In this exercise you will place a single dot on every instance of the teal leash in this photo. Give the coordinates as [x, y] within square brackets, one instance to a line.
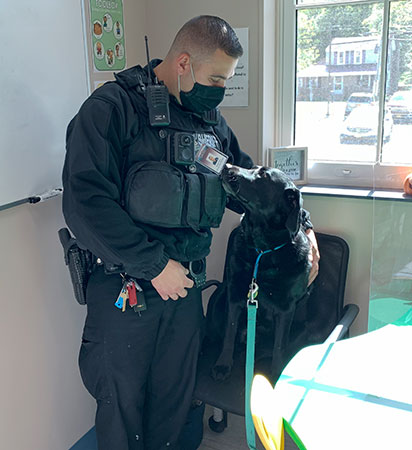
[250, 364]
[252, 306]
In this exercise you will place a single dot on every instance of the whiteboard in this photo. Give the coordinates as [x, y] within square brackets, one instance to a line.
[43, 82]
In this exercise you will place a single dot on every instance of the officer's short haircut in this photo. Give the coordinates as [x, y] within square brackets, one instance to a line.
[203, 35]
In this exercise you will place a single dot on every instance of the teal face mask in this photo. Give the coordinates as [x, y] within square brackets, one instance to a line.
[201, 98]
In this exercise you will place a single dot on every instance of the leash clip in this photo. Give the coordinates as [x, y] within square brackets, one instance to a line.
[253, 293]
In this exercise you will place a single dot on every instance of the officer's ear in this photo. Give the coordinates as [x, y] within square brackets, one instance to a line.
[183, 63]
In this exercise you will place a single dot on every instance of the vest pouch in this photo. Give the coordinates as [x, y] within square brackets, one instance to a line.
[213, 200]
[192, 206]
[155, 194]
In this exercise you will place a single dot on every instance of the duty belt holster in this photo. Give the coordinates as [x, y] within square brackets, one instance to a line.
[80, 263]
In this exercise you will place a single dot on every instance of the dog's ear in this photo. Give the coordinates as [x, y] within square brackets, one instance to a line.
[293, 200]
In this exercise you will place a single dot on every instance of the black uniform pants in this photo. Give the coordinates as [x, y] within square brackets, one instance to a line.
[140, 369]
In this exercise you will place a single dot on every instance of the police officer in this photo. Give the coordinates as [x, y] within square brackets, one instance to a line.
[140, 366]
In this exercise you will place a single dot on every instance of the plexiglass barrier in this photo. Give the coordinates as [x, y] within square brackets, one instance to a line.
[391, 266]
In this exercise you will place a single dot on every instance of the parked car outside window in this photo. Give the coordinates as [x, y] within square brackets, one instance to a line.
[358, 98]
[400, 105]
[361, 126]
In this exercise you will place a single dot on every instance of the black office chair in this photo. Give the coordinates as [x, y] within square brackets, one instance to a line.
[322, 314]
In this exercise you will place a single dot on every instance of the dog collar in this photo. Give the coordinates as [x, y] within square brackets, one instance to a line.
[261, 253]
[254, 288]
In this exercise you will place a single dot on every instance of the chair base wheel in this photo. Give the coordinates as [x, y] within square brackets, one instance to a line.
[218, 427]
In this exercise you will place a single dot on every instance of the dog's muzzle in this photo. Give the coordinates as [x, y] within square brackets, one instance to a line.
[231, 180]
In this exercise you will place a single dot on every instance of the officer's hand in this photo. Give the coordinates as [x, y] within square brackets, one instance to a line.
[172, 281]
[314, 256]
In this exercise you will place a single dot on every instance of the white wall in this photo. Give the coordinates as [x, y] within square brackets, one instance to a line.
[44, 404]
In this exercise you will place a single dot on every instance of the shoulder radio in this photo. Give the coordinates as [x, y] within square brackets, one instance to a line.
[157, 98]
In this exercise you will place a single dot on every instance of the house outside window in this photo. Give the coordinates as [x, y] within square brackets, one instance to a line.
[344, 67]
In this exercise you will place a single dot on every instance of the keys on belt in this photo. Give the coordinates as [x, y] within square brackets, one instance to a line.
[131, 292]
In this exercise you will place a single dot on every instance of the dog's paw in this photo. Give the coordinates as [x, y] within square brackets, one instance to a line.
[221, 372]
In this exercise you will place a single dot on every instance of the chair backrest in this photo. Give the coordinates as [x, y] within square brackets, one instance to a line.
[323, 309]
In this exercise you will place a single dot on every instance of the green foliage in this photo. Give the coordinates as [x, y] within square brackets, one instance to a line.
[318, 26]
[308, 52]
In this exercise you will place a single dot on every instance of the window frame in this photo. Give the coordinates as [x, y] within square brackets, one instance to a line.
[329, 173]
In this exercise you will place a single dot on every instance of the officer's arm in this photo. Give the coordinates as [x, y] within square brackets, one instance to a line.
[92, 181]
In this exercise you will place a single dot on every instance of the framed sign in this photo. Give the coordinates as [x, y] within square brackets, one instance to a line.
[293, 161]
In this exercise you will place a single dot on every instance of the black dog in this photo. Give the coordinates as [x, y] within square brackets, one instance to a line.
[272, 221]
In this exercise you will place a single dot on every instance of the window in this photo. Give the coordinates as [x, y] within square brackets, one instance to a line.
[361, 48]
[364, 81]
[337, 84]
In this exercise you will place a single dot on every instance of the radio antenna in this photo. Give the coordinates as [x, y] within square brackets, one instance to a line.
[149, 75]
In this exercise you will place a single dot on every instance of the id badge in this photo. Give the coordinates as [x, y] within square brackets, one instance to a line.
[211, 158]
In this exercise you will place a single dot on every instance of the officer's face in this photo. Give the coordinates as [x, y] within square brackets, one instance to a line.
[214, 71]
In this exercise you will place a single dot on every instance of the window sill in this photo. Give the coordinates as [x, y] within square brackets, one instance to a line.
[353, 192]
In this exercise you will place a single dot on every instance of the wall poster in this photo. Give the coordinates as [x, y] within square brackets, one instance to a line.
[107, 30]
[237, 88]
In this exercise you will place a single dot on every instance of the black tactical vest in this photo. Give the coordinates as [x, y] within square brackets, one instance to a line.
[172, 205]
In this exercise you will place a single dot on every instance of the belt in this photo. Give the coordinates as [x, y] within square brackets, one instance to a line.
[109, 268]
[197, 269]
